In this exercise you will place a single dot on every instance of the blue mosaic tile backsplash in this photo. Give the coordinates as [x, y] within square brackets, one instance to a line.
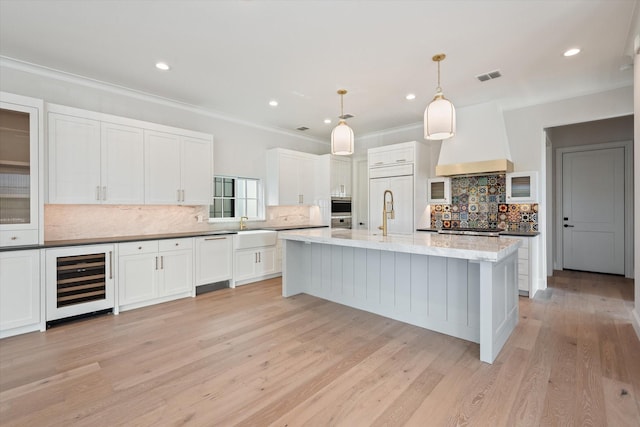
[480, 202]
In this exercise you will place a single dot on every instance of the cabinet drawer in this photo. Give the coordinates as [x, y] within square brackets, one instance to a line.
[523, 282]
[523, 266]
[133, 248]
[523, 253]
[18, 238]
[175, 244]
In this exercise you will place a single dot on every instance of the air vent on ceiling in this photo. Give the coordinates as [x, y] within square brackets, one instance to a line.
[345, 116]
[303, 128]
[489, 76]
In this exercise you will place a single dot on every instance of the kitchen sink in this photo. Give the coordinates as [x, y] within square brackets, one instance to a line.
[255, 238]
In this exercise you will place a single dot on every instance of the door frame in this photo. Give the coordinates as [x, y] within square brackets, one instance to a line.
[628, 199]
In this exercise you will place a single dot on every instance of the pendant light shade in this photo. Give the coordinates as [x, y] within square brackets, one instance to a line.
[342, 135]
[440, 114]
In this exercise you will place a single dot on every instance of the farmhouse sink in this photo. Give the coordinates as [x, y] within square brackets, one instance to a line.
[255, 238]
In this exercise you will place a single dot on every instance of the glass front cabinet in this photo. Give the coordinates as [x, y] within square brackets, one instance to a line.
[20, 136]
[521, 187]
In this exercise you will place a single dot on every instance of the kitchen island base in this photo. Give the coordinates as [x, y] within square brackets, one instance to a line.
[475, 300]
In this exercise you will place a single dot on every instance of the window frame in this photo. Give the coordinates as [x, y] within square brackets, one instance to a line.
[238, 180]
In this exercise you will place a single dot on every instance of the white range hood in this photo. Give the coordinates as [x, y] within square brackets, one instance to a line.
[480, 145]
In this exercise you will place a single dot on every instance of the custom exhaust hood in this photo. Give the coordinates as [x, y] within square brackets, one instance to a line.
[480, 145]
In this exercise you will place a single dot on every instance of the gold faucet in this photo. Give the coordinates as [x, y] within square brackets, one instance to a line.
[390, 213]
[243, 226]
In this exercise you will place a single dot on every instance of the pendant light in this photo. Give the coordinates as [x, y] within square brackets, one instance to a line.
[440, 115]
[342, 135]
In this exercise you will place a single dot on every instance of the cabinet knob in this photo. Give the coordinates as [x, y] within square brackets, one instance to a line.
[177, 244]
[14, 237]
[139, 247]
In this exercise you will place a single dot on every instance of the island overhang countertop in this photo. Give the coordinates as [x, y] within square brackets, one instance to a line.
[473, 248]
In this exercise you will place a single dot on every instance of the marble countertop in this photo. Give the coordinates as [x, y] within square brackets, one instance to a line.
[139, 238]
[476, 248]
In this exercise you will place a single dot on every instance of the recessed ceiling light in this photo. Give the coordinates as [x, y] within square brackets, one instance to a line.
[572, 52]
[273, 103]
[162, 66]
[327, 121]
[410, 97]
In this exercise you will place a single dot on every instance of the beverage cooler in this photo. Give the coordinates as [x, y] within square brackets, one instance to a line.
[79, 281]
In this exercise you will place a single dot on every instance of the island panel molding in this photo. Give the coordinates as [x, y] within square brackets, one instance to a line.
[439, 284]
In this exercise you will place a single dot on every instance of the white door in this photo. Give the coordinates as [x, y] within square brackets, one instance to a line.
[177, 272]
[593, 210]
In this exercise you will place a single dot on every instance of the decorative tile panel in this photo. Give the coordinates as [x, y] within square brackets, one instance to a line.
[480, 202]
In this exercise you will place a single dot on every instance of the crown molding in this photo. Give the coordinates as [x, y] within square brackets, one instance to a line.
[388, 131]
[52, 73]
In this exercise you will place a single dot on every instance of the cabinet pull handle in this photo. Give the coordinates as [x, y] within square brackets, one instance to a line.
[342, 188]
[400, 160]
[183, 195]
[255, 257]
[156, 263]
[110, 264]
[162, 262]
[300, 198]
[377, 163]
[97, 192]
[178, 191]
[104, 193]
[215, 238]
[259, 257]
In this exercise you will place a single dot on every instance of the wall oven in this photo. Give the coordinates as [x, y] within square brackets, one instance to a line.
[341, 212]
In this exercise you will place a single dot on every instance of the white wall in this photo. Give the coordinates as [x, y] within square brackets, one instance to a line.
[239, 149]
[527, 140]
[636, 150]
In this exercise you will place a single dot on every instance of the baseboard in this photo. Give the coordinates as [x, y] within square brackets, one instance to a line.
[635, 321]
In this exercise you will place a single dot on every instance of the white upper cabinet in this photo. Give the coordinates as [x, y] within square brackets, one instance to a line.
[522, 187]
[391, 154]
[439, 190]
[290, 177]
[93, 162]
[20, 170]
[122, 164]
[97, 158]
[178, 169]
[74, 159]
[340, 176]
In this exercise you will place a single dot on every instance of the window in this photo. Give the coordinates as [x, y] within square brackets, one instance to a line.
[234, 197]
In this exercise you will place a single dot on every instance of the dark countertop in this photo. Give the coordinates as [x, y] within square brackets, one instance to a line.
[139, 238]
[502, 233]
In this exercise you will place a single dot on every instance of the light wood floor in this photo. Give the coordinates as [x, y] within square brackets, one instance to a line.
[249, 357]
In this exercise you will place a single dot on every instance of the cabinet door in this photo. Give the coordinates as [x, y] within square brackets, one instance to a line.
[306, 180]
[122, 168]
[402, 188]
[162, 168]
[245, 264]
[266, 261]
[176, 269]
[137, 278]
[214, 262]
[74, 160]
[19, 291]
[288, 193]
[197, 171]
[20, 134]
[521, 187]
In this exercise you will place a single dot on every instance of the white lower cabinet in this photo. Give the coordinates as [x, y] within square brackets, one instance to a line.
[525, 264]
[20, 293]
[154, 271]
[254, 264]
[214, 259]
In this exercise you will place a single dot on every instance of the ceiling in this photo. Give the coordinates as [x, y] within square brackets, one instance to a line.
[233, 57]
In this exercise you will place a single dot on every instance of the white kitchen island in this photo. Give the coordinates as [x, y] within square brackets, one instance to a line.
[463, 286]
